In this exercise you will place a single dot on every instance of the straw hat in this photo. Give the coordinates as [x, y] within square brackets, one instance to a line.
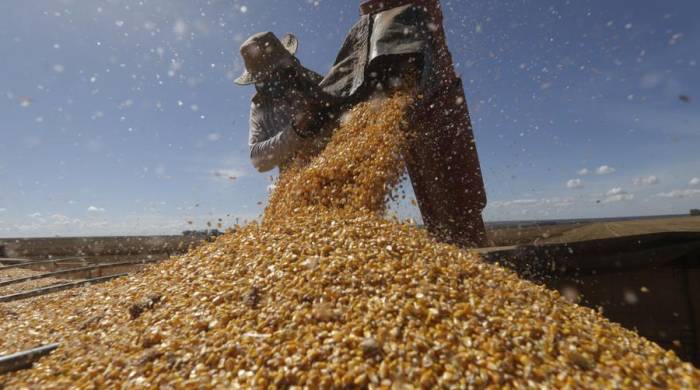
[263, 53]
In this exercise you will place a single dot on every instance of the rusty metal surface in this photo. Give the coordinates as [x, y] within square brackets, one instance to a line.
[551, 261]
[75, 270]
[57, 288]
[5, 261]
[25, 359]
[38, 262]
[646, 282]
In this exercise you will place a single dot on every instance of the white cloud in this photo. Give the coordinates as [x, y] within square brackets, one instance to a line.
[564, 203]
[516, 202]
[617, 194]
[2, 210]
[60, 219]
[93, 209]
[584, 172]
[616, 191]
[214, 137]
[618, 198]
[574, 183]
[646, 181]
[695, 181]
[35, 215]
[520, 203]
[679, 193]
[605, 170]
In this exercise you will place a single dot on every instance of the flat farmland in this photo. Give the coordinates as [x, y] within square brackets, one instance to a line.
[118, 246]
[559, 232]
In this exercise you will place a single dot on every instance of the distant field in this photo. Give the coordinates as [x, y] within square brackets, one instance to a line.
[506, 234]
[500, 234]
[89, 257]
[41, 248]
[601, 230]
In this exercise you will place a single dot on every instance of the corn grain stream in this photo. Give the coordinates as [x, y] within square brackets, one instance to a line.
[325, 292]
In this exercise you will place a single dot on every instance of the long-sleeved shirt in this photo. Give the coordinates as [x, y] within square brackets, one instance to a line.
[272, 140]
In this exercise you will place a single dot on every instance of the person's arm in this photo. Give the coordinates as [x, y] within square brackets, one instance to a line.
[267, 153]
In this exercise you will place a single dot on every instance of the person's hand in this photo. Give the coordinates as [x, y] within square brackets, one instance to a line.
[306, 121]
[304, 125]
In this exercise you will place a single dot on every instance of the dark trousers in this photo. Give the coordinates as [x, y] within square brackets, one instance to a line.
[443, 164]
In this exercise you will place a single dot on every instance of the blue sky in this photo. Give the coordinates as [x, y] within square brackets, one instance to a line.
[120, 117]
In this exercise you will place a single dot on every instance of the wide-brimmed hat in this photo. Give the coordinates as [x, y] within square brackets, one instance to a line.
[263, 53]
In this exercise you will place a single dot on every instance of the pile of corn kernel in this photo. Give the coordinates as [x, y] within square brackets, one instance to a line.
[327, 293]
